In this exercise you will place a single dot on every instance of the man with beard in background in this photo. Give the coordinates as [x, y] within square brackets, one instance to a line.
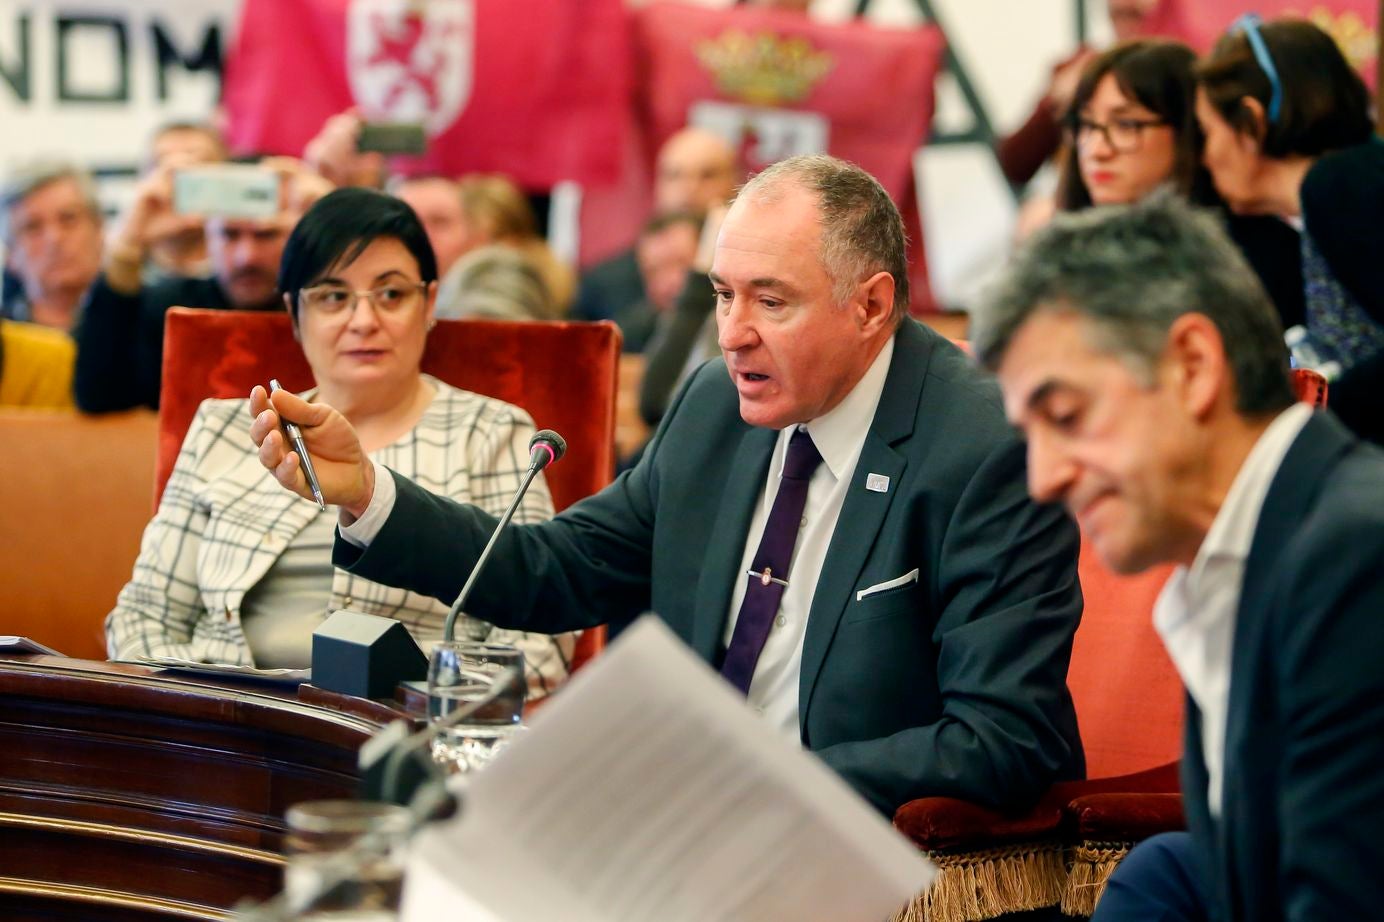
[120, 338]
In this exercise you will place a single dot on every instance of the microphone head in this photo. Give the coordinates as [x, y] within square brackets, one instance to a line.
[547, 446]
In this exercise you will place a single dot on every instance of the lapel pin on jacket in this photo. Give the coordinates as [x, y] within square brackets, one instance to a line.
[877, 483]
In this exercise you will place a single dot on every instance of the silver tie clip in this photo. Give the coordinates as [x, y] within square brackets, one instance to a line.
[767, 577]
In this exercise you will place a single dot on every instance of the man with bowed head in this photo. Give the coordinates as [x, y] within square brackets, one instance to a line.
[833, 516]
[1144, 363]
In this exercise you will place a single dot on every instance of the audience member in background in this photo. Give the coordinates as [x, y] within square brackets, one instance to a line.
[496, 282]
[332, 153]
[1024, 152]
[496, 211]
[120, 339]
[1289, 133]
[665, 252]
[688, 337]
[35, 366]
[52, 232]
[178, 243]
[437, 202]
[360, 281]
[1134, 129]
[695, 170]
[1139, 356]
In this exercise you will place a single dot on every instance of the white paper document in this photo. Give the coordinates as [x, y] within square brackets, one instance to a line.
[648, 790]
[23, 645]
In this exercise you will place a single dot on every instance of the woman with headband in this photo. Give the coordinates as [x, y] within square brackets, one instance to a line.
[1288, 133]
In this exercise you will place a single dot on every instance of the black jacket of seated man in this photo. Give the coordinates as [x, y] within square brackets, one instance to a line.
[953, 684]
[120, 341]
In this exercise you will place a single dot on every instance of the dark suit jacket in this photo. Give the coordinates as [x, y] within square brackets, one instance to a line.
[954, 685]
[120, 341]
[1301, 832]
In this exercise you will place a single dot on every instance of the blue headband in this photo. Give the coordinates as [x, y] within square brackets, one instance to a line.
[1249, 24]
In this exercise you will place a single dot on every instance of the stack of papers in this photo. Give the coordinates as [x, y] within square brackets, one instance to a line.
[648, 790]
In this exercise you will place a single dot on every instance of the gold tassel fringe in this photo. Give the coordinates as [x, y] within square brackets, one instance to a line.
[1092, 865]
[973, 886]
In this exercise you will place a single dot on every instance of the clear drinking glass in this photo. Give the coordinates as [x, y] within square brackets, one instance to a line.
[459, 674]
[322, 831]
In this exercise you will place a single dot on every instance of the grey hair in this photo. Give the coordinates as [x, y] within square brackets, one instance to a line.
[23, 181]
[495, 281]
[862, 231]
[1132, 270]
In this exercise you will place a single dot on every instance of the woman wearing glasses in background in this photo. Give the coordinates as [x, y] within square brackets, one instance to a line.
[233, 569]
[1289, 133]
[1133, 129]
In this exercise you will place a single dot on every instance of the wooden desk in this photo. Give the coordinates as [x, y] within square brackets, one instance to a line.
[125, 794]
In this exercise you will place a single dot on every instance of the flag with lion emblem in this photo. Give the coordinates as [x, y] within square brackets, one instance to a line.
[537, 89]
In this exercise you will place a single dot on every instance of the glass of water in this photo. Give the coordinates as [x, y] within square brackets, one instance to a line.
[322, 833]
[461, 673]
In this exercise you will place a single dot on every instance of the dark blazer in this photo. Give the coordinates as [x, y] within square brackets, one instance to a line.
[1301, 832]
[120, 341]
[953, 685]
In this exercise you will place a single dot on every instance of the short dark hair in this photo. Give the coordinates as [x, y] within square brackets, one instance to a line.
[664, 220]
[338, 228]
[862, 231]
[1132, 270]
[1325, 104]
[1158, 75]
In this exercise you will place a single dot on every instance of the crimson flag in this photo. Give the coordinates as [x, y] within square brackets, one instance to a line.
[779, 84]
[536, 89]
[774, 83]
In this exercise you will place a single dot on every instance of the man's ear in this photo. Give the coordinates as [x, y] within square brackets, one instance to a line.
[875, 307]
[292, 317]
[1197, 365]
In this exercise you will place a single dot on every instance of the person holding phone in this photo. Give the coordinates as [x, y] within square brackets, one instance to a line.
[233, 569]
[120, 338]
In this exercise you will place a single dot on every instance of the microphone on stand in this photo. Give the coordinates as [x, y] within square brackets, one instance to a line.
[546, 447]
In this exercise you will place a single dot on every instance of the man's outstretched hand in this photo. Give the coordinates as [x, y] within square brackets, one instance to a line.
[346, 475]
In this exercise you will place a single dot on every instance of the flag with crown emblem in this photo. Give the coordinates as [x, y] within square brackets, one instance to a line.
[774, 83]
[536, 89]
[778, 83]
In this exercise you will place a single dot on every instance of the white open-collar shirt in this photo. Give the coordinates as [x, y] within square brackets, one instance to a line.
[1195, 612]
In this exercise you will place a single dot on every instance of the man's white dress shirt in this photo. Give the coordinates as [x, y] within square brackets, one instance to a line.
[839, 436]
[1195, 612]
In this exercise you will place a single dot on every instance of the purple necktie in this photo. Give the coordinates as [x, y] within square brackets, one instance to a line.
[770, 568]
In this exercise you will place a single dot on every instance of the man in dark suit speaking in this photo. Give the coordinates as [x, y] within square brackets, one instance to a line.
[834, 517]
[1143, 360]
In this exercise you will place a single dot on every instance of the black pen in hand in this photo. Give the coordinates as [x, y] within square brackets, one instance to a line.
[295, 438]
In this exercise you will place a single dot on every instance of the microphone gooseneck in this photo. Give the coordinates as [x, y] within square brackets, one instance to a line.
[545, 448]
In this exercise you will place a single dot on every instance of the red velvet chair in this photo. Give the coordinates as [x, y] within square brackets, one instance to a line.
[563, 374]
[1129, 708]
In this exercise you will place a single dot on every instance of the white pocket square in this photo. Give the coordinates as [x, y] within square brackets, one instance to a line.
[910, 577]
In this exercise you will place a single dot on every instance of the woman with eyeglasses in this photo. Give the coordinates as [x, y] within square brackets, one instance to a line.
[1289, 133]
[1133, 129]
[233, 569]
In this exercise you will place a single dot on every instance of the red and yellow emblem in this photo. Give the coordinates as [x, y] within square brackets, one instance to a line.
[763, 69]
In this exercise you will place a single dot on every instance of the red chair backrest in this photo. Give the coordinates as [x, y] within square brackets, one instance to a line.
[1310, 387]
[1128, 695]
[563, 374]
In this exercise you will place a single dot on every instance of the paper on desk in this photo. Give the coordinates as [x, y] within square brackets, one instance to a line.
[648, 790]
[9, 643]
